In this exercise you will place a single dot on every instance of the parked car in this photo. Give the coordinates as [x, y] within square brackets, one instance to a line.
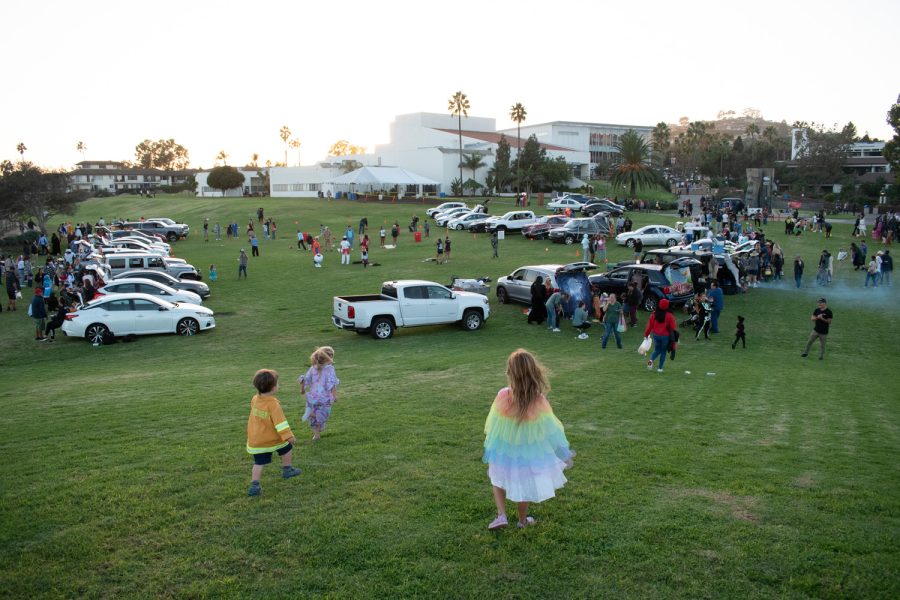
[561, 204]
[725, 269]
[134, 233]
[172, 233]
[445, 206]
[467, 219]
[148, 286]
[571, 278]
[539, 230]
[650, 235]
[575, 229]
[409, 303]
[602, 205]
[514, 220]
[441, 219]
[673, 281]
[119, 263]
[198, 287]
[135, 314]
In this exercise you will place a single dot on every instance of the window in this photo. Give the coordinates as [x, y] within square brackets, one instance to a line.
[118, 305]
[416, 292]
[439, 293]
[279, 187]
[145, 305]
[116, 263]
[123, 288]
[156, 263]
[136, 263]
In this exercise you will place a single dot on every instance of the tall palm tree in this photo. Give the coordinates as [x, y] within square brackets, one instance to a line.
[518, 113]
[473, 162]
[752, 130]
[223, 156]
[634, 168]
[21, 148]
[459, 108]
[254, 160]
[285, 135]
[81, 147]
[661, 138]
[294, 144]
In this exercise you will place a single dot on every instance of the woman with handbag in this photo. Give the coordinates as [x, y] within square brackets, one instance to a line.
[612, 321]
[660, 325]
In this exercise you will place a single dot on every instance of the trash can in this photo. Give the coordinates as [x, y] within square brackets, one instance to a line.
[442, 195]
[337, 195]
[417, 236]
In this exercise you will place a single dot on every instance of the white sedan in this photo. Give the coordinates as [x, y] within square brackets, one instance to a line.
[467, 219]
[139, 285]
[650, 235]
[442, 207]
[135, 314]
[441, 219]
[564, 203]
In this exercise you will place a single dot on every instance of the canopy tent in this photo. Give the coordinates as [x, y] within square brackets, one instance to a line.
[382, 179]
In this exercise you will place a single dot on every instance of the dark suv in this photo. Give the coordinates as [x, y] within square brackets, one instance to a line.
[674, 281]
[575, 229]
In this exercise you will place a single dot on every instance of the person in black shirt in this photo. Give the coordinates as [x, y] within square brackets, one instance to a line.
[821, 319]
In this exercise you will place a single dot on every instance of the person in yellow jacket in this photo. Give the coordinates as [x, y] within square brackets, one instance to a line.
[268, 430]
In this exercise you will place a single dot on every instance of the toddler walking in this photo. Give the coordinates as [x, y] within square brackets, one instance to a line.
[268, 430]
[739, 334]
[319, 383]
[525, 445]
[213, 274]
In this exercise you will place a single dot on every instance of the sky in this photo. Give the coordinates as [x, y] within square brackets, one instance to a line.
[228, 75]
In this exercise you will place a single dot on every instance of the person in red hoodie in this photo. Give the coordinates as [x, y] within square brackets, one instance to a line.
[660, 325]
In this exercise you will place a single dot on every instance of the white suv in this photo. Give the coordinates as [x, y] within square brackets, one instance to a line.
[514, 220]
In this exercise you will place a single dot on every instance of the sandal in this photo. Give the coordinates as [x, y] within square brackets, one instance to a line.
[528, 522]
[498, 523]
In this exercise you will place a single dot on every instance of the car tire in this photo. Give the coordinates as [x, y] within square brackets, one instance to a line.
[630, 243]
[650, 303]
[187, 327]
[502, 295]
[671, 242]
[95, 333]
[382, 328]
[171, 237]
[569, 240]
[472, 319]
[459, 227]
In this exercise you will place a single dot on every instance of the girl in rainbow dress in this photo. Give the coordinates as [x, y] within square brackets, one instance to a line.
[525, 445]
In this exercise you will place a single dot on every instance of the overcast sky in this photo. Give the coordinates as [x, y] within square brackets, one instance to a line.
[227, 75]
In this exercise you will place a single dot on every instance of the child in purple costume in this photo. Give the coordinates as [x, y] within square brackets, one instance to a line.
[319, 384]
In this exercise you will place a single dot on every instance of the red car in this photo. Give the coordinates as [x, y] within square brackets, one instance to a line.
[539, 230]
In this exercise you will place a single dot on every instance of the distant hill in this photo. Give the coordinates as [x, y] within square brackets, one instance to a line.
[734, 125]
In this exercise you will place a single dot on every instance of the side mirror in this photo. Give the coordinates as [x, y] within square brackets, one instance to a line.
[163, 309]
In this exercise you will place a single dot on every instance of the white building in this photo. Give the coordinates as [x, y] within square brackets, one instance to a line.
[115, 178]
[590, 143]
[253, 184]
[426, 144]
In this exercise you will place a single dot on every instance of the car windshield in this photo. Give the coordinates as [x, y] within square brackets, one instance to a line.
[680, 279]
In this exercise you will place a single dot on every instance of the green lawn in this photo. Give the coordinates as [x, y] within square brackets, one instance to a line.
[759, 474]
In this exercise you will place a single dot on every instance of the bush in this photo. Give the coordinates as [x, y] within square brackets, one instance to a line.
[101, 194]
[829, 197]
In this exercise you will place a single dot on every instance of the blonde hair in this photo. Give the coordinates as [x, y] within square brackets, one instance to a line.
[321, 356]
[527, 380]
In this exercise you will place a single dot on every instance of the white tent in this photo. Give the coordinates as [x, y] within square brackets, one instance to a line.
[382, 179]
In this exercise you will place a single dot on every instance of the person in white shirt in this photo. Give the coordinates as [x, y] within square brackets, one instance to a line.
[345, 251]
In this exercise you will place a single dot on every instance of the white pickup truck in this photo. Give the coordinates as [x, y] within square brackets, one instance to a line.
[409, 303]
[514, 220]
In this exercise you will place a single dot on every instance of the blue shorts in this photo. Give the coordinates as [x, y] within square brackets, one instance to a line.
[264, 458]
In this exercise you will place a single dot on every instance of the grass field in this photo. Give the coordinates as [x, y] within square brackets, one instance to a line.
[758, 475]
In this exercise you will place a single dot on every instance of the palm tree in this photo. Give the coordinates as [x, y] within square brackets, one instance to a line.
[517, 113]
[222, 156]
[473, 162]
[459, 108]
[254, 160]
[752, 130]
[661, 138]
[21, 148]
[634, 168]
[285, 135]
[294, 144]
[81, 147]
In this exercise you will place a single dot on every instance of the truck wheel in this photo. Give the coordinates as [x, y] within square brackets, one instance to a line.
[382, 328]
[172, 237]
[472, 319]
[502, 296]
[569, 240]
